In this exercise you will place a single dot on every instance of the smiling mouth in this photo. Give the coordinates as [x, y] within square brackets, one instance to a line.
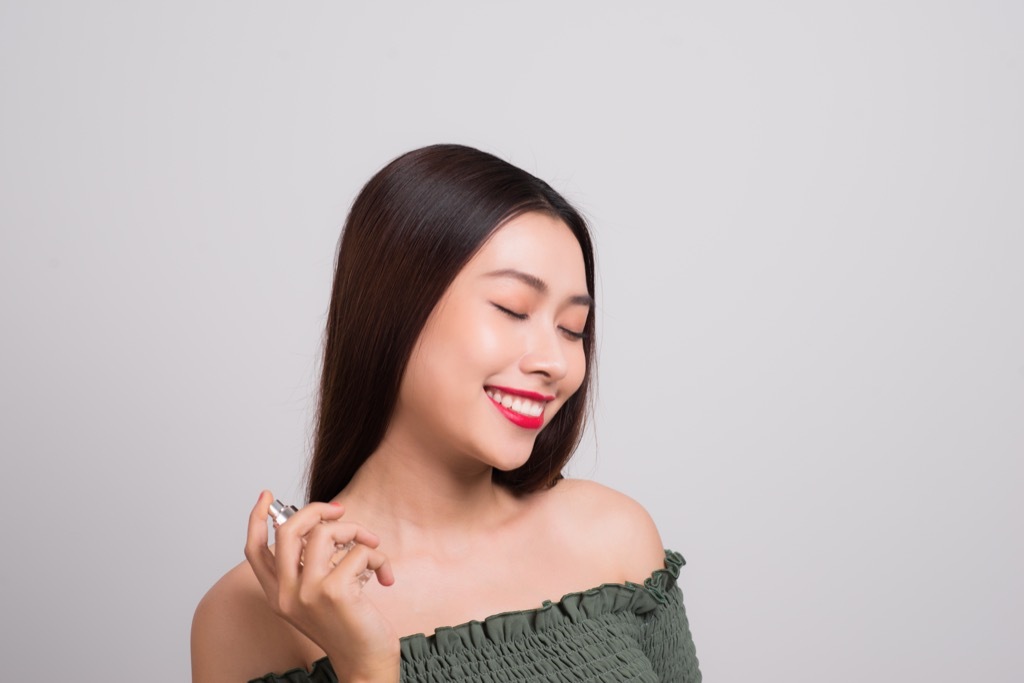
[517, 404]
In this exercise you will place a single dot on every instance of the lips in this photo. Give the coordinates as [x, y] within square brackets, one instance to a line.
[522, 408]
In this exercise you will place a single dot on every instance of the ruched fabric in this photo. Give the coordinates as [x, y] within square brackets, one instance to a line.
[610, 634]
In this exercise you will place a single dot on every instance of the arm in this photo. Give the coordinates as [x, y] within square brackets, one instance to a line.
[235, 635]
[666, 639]
[321, 594]
[274, 612]
[665, 631]
[613, 520]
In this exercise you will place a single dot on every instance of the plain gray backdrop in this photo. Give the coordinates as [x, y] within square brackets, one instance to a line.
[810, 232]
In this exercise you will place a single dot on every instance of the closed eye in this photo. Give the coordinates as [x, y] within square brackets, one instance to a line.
[512, 314]
[571, 334]
[578, 336]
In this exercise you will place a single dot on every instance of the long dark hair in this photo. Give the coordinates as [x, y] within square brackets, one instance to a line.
[411, 230]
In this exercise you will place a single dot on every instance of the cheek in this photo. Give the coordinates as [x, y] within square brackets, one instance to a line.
[477, 337]
[578, 365]
[473, 347]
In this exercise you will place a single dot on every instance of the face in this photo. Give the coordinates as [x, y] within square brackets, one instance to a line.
[502, 351]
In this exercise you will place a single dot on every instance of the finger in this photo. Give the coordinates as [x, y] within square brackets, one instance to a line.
[382, 568]
[324, 541]
[341, 532]
[290, 536]
[360, 559]
[256, 551]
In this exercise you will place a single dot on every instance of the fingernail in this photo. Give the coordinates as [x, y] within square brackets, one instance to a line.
[335, 503]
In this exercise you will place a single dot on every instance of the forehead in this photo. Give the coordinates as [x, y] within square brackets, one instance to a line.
[534, 243]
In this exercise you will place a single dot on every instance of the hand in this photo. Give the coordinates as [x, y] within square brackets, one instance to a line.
[324, 600]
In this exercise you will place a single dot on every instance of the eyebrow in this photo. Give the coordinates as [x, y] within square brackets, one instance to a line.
[536, 283]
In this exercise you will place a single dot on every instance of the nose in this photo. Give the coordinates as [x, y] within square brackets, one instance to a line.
[545, 355]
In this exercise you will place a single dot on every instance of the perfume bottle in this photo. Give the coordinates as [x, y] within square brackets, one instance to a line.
[281, 513]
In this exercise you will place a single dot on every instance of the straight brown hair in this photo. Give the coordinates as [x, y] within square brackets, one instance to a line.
[412, 228]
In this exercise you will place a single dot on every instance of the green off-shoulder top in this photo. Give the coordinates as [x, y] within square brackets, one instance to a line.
[613, 633]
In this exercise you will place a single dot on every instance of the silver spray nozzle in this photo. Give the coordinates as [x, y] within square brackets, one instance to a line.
[280, 512]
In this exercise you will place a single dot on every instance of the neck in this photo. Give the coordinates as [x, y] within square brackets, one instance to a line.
[421, 503]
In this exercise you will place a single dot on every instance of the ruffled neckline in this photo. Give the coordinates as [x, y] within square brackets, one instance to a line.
[515, 630]
[573, 608]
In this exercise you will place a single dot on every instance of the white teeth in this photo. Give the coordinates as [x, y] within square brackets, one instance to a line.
[523, 406]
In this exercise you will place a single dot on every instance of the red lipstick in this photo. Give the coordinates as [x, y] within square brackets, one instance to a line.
[518, 419]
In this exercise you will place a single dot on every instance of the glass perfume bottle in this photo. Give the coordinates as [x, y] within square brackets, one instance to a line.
[281, 513]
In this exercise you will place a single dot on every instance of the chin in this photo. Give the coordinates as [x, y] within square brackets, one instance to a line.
[506, 462]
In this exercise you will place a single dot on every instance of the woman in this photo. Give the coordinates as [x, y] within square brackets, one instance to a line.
[458, 356]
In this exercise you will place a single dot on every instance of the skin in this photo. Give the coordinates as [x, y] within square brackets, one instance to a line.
[445, 543]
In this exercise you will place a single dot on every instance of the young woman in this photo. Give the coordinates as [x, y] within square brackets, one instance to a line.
[458, 356]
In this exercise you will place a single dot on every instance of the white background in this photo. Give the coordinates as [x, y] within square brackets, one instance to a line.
[810, 228]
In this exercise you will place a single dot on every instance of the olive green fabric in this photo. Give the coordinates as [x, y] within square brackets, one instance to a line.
[609, 634]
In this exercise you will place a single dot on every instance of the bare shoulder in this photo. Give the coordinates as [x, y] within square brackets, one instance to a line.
[237, 637]
[605, 527]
